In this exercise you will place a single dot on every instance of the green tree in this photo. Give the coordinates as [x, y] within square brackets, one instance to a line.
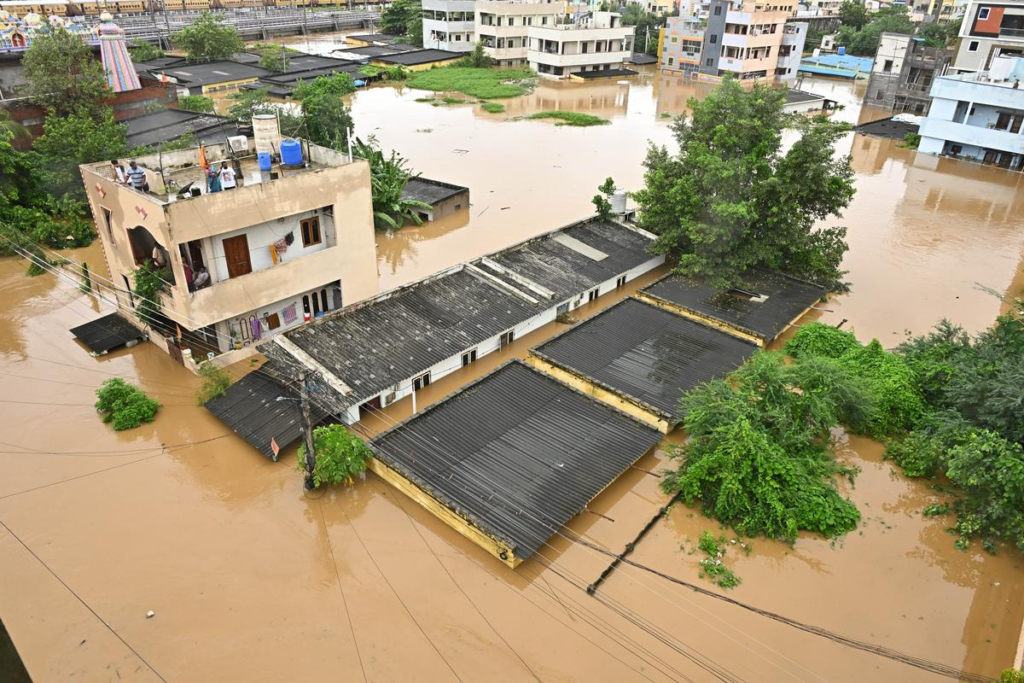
[124, 406]
[78, 138]
[141, 51]
[11, 129]
[248, 103]
[853, 14]
[327, 120]
[216, 381]
[477, 58]
[647, 25]
[340, 455]
[399, 16]
[602, 200]
[207, 39]
[275, 58]
[732, 199]
[198, 103]
[864, 41]
[935, 34]
[388, 177]
[62, 73]
[147, 283]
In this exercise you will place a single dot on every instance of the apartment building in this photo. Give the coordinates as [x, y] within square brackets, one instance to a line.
[282, 248]
[744, 38]
[902, 74]
[502, 26]
[989, 30]
[590, 46]
[762, 48]
[979, 115]
[449, 25]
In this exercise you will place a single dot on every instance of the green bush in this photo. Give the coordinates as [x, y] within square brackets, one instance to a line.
[123, 405]
[989, 471]
[493, 107]
[197, 103]
[713, 566]
[340, 455]
[818, 339]
[570, 118]
[216, 381]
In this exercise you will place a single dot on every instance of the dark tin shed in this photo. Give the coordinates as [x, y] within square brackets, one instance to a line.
[510, 459]
[760, 309]
[643, 354]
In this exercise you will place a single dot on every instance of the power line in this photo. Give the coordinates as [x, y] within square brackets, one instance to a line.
[84, 603]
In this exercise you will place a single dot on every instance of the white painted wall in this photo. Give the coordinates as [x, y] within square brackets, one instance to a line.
[226, 327]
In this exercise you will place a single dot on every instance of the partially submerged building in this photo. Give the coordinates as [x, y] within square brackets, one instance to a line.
[902, 75]
[384, 348]
[510, 459]
[449, 25]
[641, 358]
[594, 45]
[761, 308]
[418, 60]
[285, 246]
[445, 199]
[160, 127]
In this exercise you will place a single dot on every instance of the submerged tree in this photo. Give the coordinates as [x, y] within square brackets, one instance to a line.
[327, 120]
[733, 199]
[207, 39]
[388, 177]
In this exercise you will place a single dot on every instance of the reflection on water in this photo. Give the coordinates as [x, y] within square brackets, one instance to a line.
[222, 544]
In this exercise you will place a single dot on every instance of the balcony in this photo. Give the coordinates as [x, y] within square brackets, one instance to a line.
[579, 59]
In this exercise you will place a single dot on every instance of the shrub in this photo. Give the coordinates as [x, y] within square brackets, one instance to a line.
[493, 107]
[216, 381]
[197, 103]
[340, 455]
[989, 470]
[898, 401]
[712, 566]
[123, 405]
[570, 118]
[818, 339]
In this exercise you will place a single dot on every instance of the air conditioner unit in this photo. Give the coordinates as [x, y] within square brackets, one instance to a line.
[238, 143]
[388, 399]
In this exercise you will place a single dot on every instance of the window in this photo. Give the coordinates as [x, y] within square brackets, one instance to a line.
[983, 13]
[709, 61]
[887, 67]
[310, 231]
[620, 282]
[714, 38]
[421, 381]
[468, 357]
[718, 11]
[506, 338]
[671, 61]
[108, 221]
[673, 40]
[972, 46]
[592, 294]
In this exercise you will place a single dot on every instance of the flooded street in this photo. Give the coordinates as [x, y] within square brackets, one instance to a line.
[252, 580]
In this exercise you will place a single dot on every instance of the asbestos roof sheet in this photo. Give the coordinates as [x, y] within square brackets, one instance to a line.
[645, 353]
[566, 271]
[373, 346]
[106, 333]
[783, 299]
[250, 409]
[517, 454]
[431, 191]
[162, 126]
[420, 57]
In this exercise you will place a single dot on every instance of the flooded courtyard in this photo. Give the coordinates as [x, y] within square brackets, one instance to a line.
[250, 579]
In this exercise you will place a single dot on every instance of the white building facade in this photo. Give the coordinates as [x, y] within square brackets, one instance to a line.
[503, 25]
[978, 116]
[592, 44]
[449, 25]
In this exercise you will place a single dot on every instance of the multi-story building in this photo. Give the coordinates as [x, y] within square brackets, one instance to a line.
[748, 45]
[502, 26]
[902, 74]
[744, 38]
[979, 115]
[283, 247]
[449, 25]
[595, 43]
[989, 30]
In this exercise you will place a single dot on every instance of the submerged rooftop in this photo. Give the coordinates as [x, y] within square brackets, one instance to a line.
[645, 354]
[513, 457]
[761, 307]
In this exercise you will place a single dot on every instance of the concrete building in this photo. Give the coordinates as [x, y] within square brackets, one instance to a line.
[736, 43]
[283, 247]
[594, 43]
[445, 199]
[978, 115]
[745, 40]
[503, 25]
[903, 71]
[449, 25]
[989, 30]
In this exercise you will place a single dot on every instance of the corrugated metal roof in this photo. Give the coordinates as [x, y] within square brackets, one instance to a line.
[106, 333]
[787, 298]
[646, 353]
[250, 409]
[517, 453]
[430, 191]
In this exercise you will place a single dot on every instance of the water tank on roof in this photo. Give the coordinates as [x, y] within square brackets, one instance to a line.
[291, 152]
[264, 159]
[619, 202]
[267, 134]
[841, 50]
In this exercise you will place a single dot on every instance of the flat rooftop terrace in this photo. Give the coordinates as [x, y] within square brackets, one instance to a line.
[762, 307]
[645, 354]
[510, 459]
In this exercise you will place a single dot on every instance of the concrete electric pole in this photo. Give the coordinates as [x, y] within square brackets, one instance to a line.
[307, 432]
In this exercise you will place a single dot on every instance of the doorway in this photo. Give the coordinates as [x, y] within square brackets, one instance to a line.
[236, 253]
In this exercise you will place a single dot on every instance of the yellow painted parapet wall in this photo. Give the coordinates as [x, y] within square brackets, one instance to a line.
[704, 319]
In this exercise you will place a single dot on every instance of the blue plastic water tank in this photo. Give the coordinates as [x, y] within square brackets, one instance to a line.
[264, 159]
[841, 51]
[291, 152]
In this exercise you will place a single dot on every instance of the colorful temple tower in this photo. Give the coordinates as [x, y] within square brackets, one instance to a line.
[117, 62]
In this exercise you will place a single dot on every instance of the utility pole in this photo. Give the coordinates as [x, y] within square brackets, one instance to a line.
[307, 432]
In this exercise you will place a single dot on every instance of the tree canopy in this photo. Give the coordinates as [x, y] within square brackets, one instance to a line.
[325, 115]
[403, 18]
[207, 39]
[864, 40]
[62, 74]
[853, 14]
[388, 176]
[74, 139]
[647, 25]
[733, 199]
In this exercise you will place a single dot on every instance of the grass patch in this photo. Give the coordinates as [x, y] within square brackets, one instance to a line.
[493, 107]
[666, 115]
[452, 100]
[484, 84]
[570, 118]
[425, 99]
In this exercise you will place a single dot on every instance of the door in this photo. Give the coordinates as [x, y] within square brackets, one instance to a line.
[236, 252]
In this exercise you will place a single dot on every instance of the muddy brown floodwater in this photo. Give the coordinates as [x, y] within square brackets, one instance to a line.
[251, 580]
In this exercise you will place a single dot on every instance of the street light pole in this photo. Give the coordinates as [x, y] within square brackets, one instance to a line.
[307, 432]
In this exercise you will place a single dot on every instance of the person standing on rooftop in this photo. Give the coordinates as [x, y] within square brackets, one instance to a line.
[137, 177]
[227, 176]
